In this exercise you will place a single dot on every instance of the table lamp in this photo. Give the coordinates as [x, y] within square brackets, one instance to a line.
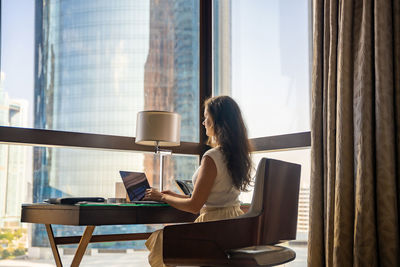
[158, 128]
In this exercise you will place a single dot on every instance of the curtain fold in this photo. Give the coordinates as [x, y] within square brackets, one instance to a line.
[386, 188]
[355, 187]
[396, 77]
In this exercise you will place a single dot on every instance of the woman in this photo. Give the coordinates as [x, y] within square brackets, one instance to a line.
[224, 171]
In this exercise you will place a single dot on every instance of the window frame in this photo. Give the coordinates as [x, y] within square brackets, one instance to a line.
[54, 138]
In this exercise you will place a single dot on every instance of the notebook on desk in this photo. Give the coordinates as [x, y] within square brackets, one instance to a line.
[136, 184]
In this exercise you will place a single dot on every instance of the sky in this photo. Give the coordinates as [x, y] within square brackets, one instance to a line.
[17, 49]
[270, 65]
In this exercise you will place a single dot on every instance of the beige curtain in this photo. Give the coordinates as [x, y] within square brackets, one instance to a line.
[355, 184]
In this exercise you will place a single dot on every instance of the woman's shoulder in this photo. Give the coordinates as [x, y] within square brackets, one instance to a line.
[215, 153]
[214, 150]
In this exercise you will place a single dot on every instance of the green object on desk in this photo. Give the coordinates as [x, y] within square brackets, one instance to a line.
[161, 204]
[122, 204]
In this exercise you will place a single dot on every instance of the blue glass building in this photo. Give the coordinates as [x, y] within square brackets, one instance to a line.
[90, 59]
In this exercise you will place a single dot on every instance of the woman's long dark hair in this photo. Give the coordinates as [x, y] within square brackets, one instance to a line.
[231, 134]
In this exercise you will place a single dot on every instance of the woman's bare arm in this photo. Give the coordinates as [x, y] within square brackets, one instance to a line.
[204, 183]
[168, 192]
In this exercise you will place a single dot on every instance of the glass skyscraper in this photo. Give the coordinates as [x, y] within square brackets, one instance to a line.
[98, 63]
[172, 76]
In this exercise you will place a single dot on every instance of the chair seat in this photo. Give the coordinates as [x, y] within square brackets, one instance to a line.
[263, 255]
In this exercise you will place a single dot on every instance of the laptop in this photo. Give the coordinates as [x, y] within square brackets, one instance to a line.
[136, 184]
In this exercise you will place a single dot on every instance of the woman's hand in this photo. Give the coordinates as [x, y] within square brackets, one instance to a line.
[153, 194]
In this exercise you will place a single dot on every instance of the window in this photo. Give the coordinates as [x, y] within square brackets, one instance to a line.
[93, 65]
[261, 57]
[61, 172]
[97, 64]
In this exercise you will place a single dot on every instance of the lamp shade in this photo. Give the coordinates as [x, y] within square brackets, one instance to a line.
[158, 126]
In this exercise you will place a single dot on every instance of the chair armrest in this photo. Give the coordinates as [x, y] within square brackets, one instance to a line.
[207, 240]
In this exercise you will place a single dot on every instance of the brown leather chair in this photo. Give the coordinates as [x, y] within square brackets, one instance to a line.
[250, 239]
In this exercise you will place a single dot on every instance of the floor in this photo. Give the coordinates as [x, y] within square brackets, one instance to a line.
[131, 258]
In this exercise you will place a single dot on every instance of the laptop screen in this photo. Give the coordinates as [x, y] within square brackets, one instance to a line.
[135, 183]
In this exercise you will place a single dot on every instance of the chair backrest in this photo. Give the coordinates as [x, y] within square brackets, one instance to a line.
[275, 200]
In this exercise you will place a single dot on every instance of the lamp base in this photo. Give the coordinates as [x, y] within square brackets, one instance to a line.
[163, 153]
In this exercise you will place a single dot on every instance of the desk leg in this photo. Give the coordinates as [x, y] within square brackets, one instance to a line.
[53, 245]
[87, 235]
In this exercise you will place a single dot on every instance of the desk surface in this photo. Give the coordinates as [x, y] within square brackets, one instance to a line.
[103, 214]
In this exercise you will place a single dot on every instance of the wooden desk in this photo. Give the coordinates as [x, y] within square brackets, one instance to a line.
[94, 215]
